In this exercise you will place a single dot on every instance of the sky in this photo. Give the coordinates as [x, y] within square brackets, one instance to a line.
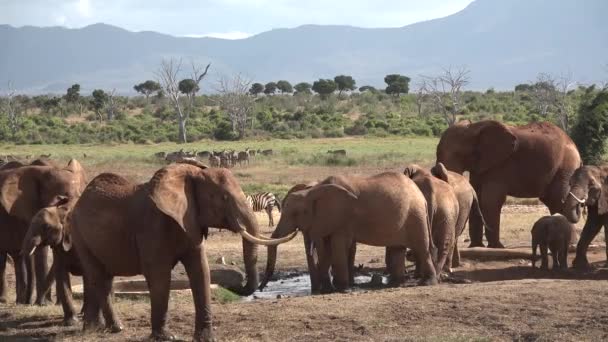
[230, 19]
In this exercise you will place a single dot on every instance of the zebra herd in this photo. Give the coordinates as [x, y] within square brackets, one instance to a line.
[225, 158]
[264, 201]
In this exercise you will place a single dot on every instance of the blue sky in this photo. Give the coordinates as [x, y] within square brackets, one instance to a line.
[223, 18]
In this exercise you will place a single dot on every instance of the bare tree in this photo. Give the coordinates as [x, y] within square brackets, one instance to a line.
[197, 75]
[168, 77]
[235, 100]
[12, 110]
[444, 91]
[111, 106]
[420, 98]
[550, 93]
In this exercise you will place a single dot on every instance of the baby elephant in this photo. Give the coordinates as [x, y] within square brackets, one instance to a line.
[556, 233]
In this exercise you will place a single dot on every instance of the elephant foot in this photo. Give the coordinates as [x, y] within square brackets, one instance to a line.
[476, 244]
[92, 326]
[497, 244]
[428, 281]
[205, 335]
[41, 302]
[164, 335]
[70, 321]
[114, 328]
[581, 264]
[3, 300]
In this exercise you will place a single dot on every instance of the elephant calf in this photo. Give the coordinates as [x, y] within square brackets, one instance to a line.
[556, 233]
[49, 228]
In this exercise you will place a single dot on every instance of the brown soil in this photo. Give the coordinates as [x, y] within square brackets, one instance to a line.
[506, 300]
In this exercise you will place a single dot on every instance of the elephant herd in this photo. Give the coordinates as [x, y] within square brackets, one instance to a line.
[113, 227]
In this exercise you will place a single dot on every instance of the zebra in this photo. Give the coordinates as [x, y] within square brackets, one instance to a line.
[264, 201]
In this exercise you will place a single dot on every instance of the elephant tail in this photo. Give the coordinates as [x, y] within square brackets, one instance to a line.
[432, 247]
[476, 210]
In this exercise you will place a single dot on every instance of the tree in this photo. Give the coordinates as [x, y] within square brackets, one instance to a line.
[590, 130]
[147, 88]
[256, 89]
[167, 74]
[303, 88]
[98, 102]
[11, 110]
[270, 88]
[367, 88]
[234, 100]
[445, 91]
[397, 84]
[112, 105]
[189, 88]
[344, 83]
[550, 94]
[523, 87]
[73, 97]
[324, 87]
[284, 87]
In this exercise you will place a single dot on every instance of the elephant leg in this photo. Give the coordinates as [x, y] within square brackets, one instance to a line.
[322, 247]
[21, 275]
[93, 271]
[31, 278]
[41, 268]
[352, 251]
[564, 254]
[313, 269]
[555, 257]
[475, 220]
[455, 255]
[47, 283]
[397, 265]
[340, 246]
[159, 283]
[199, 276]
[104, 297]
[605, 241]
[543, 255]
[492, 200]
[64, 289]
[590, 230]
[270, 219]
[3, 283]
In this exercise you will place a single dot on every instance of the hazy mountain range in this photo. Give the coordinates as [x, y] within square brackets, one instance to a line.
[502, 42]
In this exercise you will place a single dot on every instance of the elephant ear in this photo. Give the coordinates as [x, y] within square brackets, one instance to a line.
[173, 191]
[495, 144]
[602, 185]
[19, 194]
[440, 171]
[327, 205]
[80, 176]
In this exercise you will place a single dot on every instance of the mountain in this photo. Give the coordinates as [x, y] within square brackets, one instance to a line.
[502, 42]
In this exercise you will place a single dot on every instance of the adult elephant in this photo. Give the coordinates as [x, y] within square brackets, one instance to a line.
[468, 204]
[442, 206]
[23, 191]
[124, 229]
[588, 187]
[385, 210]
[529, 161]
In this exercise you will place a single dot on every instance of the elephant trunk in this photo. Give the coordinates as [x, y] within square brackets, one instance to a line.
[30, 243]
[271, 259]
[247, 220]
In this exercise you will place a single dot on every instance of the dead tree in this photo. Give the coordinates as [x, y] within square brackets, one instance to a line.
[111, 106]
[550, 94]
[234, 99]
[444, 91]
[12, 110]
[168, 77]
[197, 75]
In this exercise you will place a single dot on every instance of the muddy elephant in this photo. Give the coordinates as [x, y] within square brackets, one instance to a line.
[554, 233]
[23, 191]
[443, 209]
[588, 187]
[468, 204]
[382, 210]
[535, 160]
[50, 227]
[124, 229]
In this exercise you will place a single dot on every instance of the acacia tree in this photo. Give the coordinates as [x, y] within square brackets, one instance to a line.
[550, 94]
[256, 89]
[345, 83]
[589, 131]
[324, 87]
[235, 101]
[73, 97]
[397, 84]
[284, 87]
[444, 91]
[98, 102]
[270, 88]
[147, 88]
[303, 88]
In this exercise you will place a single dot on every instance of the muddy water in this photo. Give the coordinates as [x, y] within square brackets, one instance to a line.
[295, 286]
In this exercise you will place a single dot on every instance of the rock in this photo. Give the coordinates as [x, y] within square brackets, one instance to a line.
[376, 280]
[221, 261]
[230, 277]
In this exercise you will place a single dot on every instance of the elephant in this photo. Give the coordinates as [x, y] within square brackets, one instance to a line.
[49, 228]
[535, 160]
[555, 232]
[23, 191]
[387, 210]
[588, 187]
[442, 206]
[125, 229]
[468, 204]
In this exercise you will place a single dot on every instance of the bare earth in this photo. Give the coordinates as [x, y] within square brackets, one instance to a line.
[506, 300]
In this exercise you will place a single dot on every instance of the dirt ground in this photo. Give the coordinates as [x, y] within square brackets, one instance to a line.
[505, 300]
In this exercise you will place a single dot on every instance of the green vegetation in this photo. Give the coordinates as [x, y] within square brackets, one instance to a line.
[589, 132]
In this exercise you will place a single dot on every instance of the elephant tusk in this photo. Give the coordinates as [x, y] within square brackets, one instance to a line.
[32, 251]
[269, 242]
[581, 201]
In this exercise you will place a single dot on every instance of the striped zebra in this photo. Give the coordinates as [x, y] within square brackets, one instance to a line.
[264, 201]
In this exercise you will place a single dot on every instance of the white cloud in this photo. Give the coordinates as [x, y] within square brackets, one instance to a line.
[84, 8]
[232, 35]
